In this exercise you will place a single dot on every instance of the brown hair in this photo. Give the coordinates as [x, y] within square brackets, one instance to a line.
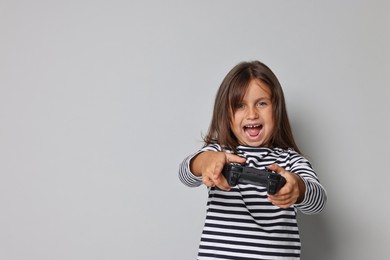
[230, 94]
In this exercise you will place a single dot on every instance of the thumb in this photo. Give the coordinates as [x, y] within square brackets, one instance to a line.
[232, 158]
[275, 168]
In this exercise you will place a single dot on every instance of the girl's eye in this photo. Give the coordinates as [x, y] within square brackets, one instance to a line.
[262, 103]
[240, 106]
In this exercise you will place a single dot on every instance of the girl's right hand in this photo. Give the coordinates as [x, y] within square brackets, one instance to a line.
[210, 164]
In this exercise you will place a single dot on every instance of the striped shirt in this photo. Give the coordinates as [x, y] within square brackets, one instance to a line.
[242, 223]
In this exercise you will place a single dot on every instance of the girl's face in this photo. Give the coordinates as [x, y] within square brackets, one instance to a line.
[252, 121]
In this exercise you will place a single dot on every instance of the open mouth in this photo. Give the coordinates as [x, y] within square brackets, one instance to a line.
[253, 130]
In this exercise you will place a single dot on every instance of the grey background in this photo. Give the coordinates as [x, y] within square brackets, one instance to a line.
[101, 100]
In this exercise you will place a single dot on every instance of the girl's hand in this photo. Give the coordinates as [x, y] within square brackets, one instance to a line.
[210, 164]
[291, 193]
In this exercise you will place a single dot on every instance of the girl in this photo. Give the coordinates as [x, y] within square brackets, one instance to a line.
[250, 126]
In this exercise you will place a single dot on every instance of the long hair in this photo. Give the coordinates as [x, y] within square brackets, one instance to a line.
[232, 91]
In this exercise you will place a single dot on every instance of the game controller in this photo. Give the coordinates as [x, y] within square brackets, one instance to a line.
[239, 174]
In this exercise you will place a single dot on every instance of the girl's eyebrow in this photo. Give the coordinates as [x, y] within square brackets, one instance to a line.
[256, 100]
[261, 98]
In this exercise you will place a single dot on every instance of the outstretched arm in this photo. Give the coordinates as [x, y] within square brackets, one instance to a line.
[209, 166]
[302, 188]
[206, 166]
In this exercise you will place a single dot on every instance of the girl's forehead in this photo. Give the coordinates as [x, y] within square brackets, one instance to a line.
[256, 85]
[238, 91]
[264, 86]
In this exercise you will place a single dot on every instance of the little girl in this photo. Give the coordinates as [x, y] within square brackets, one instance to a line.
[250, 126]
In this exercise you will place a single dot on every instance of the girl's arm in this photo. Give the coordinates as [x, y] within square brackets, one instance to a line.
[309, 194]
[206, 166]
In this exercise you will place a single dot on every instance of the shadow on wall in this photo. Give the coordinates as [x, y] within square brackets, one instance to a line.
[316, 237]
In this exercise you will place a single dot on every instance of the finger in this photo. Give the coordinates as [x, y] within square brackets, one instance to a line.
[286, 190]
[217, 170]
[278, 198]
[221, 183]
[283, 199]
[232, 158]
[208, 182]
[282, 203]
[276, 168]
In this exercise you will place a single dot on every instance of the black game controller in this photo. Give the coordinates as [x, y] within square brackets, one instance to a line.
[238, 174]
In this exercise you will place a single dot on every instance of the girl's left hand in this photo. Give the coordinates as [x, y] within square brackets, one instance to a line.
[292, 192]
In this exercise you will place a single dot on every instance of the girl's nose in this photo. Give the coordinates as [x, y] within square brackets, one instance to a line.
[253, 113]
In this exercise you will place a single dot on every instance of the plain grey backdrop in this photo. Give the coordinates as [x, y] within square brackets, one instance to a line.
[101, 100]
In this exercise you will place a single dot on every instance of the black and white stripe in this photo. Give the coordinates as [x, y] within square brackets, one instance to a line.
[242, 223]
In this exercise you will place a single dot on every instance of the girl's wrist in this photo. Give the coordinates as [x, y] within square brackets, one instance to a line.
[195, 164]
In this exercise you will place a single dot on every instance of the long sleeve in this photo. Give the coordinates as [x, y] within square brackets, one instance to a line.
[315, 198]
[315, 195]
[185, 174]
